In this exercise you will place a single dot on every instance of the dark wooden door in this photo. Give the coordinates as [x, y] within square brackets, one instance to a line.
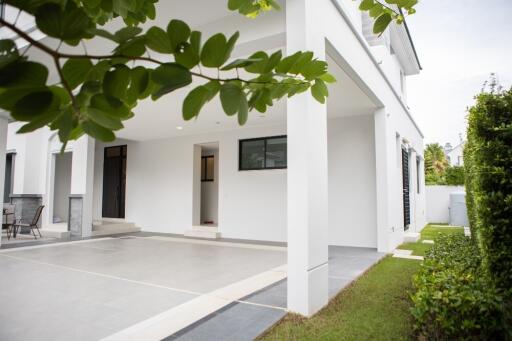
[114, 181]
[406, 194]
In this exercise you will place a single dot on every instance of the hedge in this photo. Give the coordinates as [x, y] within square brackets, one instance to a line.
[455, 300]
[488, 165]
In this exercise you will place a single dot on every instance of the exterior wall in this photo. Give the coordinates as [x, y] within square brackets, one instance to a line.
[438, 203]
[455, 156]
[252, 204]
[352, 175]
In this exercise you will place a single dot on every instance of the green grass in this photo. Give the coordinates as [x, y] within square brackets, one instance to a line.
[418, 249]
[433, 231]
[430, 232]
[375, 307]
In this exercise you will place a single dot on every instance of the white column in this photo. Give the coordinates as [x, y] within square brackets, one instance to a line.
[82, 179]
[307, 174]
[384, 162]
[3, 146]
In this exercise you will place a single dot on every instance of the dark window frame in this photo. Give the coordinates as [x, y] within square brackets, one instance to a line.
[265, 139]
[205, 178]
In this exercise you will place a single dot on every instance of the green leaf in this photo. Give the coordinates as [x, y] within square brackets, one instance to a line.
[382, 23]
[71, 23]
[116, 82]
[214, 51]
[287, 63]
[127, 33]
[194, 102]
[38, 122]
[328, 78]
[366, 5]
[230, 45]
[314, 69]
[8, 52]
[376, 10]
[178, 32]
[319, 91]
[75, 71]
[158, 40]
[103, 119]
[243, 111]
[169, 77]
[258, 67]
[240, 63]
[110, 105]
[139, 83]
[303, 59]
[230, 94]
[23, 74]
[31, 105]
[98, 132]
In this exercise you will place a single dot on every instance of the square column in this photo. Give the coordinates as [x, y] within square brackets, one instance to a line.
[307, 174]
[383, 161]
[3, 146]
[82, 185]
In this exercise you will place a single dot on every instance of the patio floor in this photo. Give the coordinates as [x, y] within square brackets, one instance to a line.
[152, 287]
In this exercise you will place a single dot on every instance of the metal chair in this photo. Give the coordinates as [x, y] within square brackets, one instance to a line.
[32, 225]
[8, 219]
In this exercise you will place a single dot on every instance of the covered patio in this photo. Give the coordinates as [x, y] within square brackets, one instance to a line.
[151, 287]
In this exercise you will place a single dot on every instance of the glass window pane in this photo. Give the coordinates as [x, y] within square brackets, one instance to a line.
[209, 168]
[276, 153]
[252, 154]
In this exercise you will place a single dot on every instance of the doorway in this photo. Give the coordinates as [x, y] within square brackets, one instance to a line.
[9, 176]
[61, 187]
[114, 182]
[208, 177]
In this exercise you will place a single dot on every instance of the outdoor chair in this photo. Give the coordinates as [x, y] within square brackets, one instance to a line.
[8, 219]
[32, 225]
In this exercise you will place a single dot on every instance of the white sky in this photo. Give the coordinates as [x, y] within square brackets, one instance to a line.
[459, 43]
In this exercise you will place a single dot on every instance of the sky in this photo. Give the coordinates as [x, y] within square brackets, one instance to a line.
[459, 43]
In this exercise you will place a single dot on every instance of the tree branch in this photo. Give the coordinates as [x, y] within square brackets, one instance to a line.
[58, 55]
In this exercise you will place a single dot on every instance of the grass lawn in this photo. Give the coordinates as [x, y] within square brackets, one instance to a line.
[375, 307]
[430, 232]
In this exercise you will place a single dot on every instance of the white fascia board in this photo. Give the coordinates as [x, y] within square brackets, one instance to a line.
[404, 50]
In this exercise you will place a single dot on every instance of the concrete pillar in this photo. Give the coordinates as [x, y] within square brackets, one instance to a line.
[307, 174]
[82, 185]
[384, 161]
[3, 146]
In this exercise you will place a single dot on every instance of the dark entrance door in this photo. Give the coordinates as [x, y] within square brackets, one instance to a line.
[405, 181]
[114, 181]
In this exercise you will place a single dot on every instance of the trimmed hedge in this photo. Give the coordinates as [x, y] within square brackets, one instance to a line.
[454, 176]
[488, 164]
[454, 297]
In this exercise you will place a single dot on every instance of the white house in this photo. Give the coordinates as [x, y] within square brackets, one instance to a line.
[346, 173]
[455, 155]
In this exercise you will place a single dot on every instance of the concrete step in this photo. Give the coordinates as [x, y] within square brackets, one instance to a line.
[411, 237]
[110, 228]
[205, 232]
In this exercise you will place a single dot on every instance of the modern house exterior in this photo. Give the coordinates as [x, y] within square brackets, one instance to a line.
[455, 155]
[346, 173]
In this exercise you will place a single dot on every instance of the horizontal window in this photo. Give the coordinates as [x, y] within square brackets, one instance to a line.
[263, 153]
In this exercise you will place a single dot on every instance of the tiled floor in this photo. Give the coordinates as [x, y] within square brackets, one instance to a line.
[254, 314]
[92, 289]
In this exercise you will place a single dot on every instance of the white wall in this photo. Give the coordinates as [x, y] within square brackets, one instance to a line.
[210, 192]
[62, 185]
[438, 202]
[252, 204]
[352, 195]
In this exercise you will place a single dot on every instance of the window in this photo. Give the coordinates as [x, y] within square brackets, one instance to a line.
[263, 153]
[207, 166]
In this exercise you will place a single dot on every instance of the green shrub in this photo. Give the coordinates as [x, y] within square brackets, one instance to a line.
[454, 297]
[489, 182]
[454, 176]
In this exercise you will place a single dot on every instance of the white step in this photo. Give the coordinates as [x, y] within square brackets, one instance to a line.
[109, 228]
[205, 232]
[411, 237]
